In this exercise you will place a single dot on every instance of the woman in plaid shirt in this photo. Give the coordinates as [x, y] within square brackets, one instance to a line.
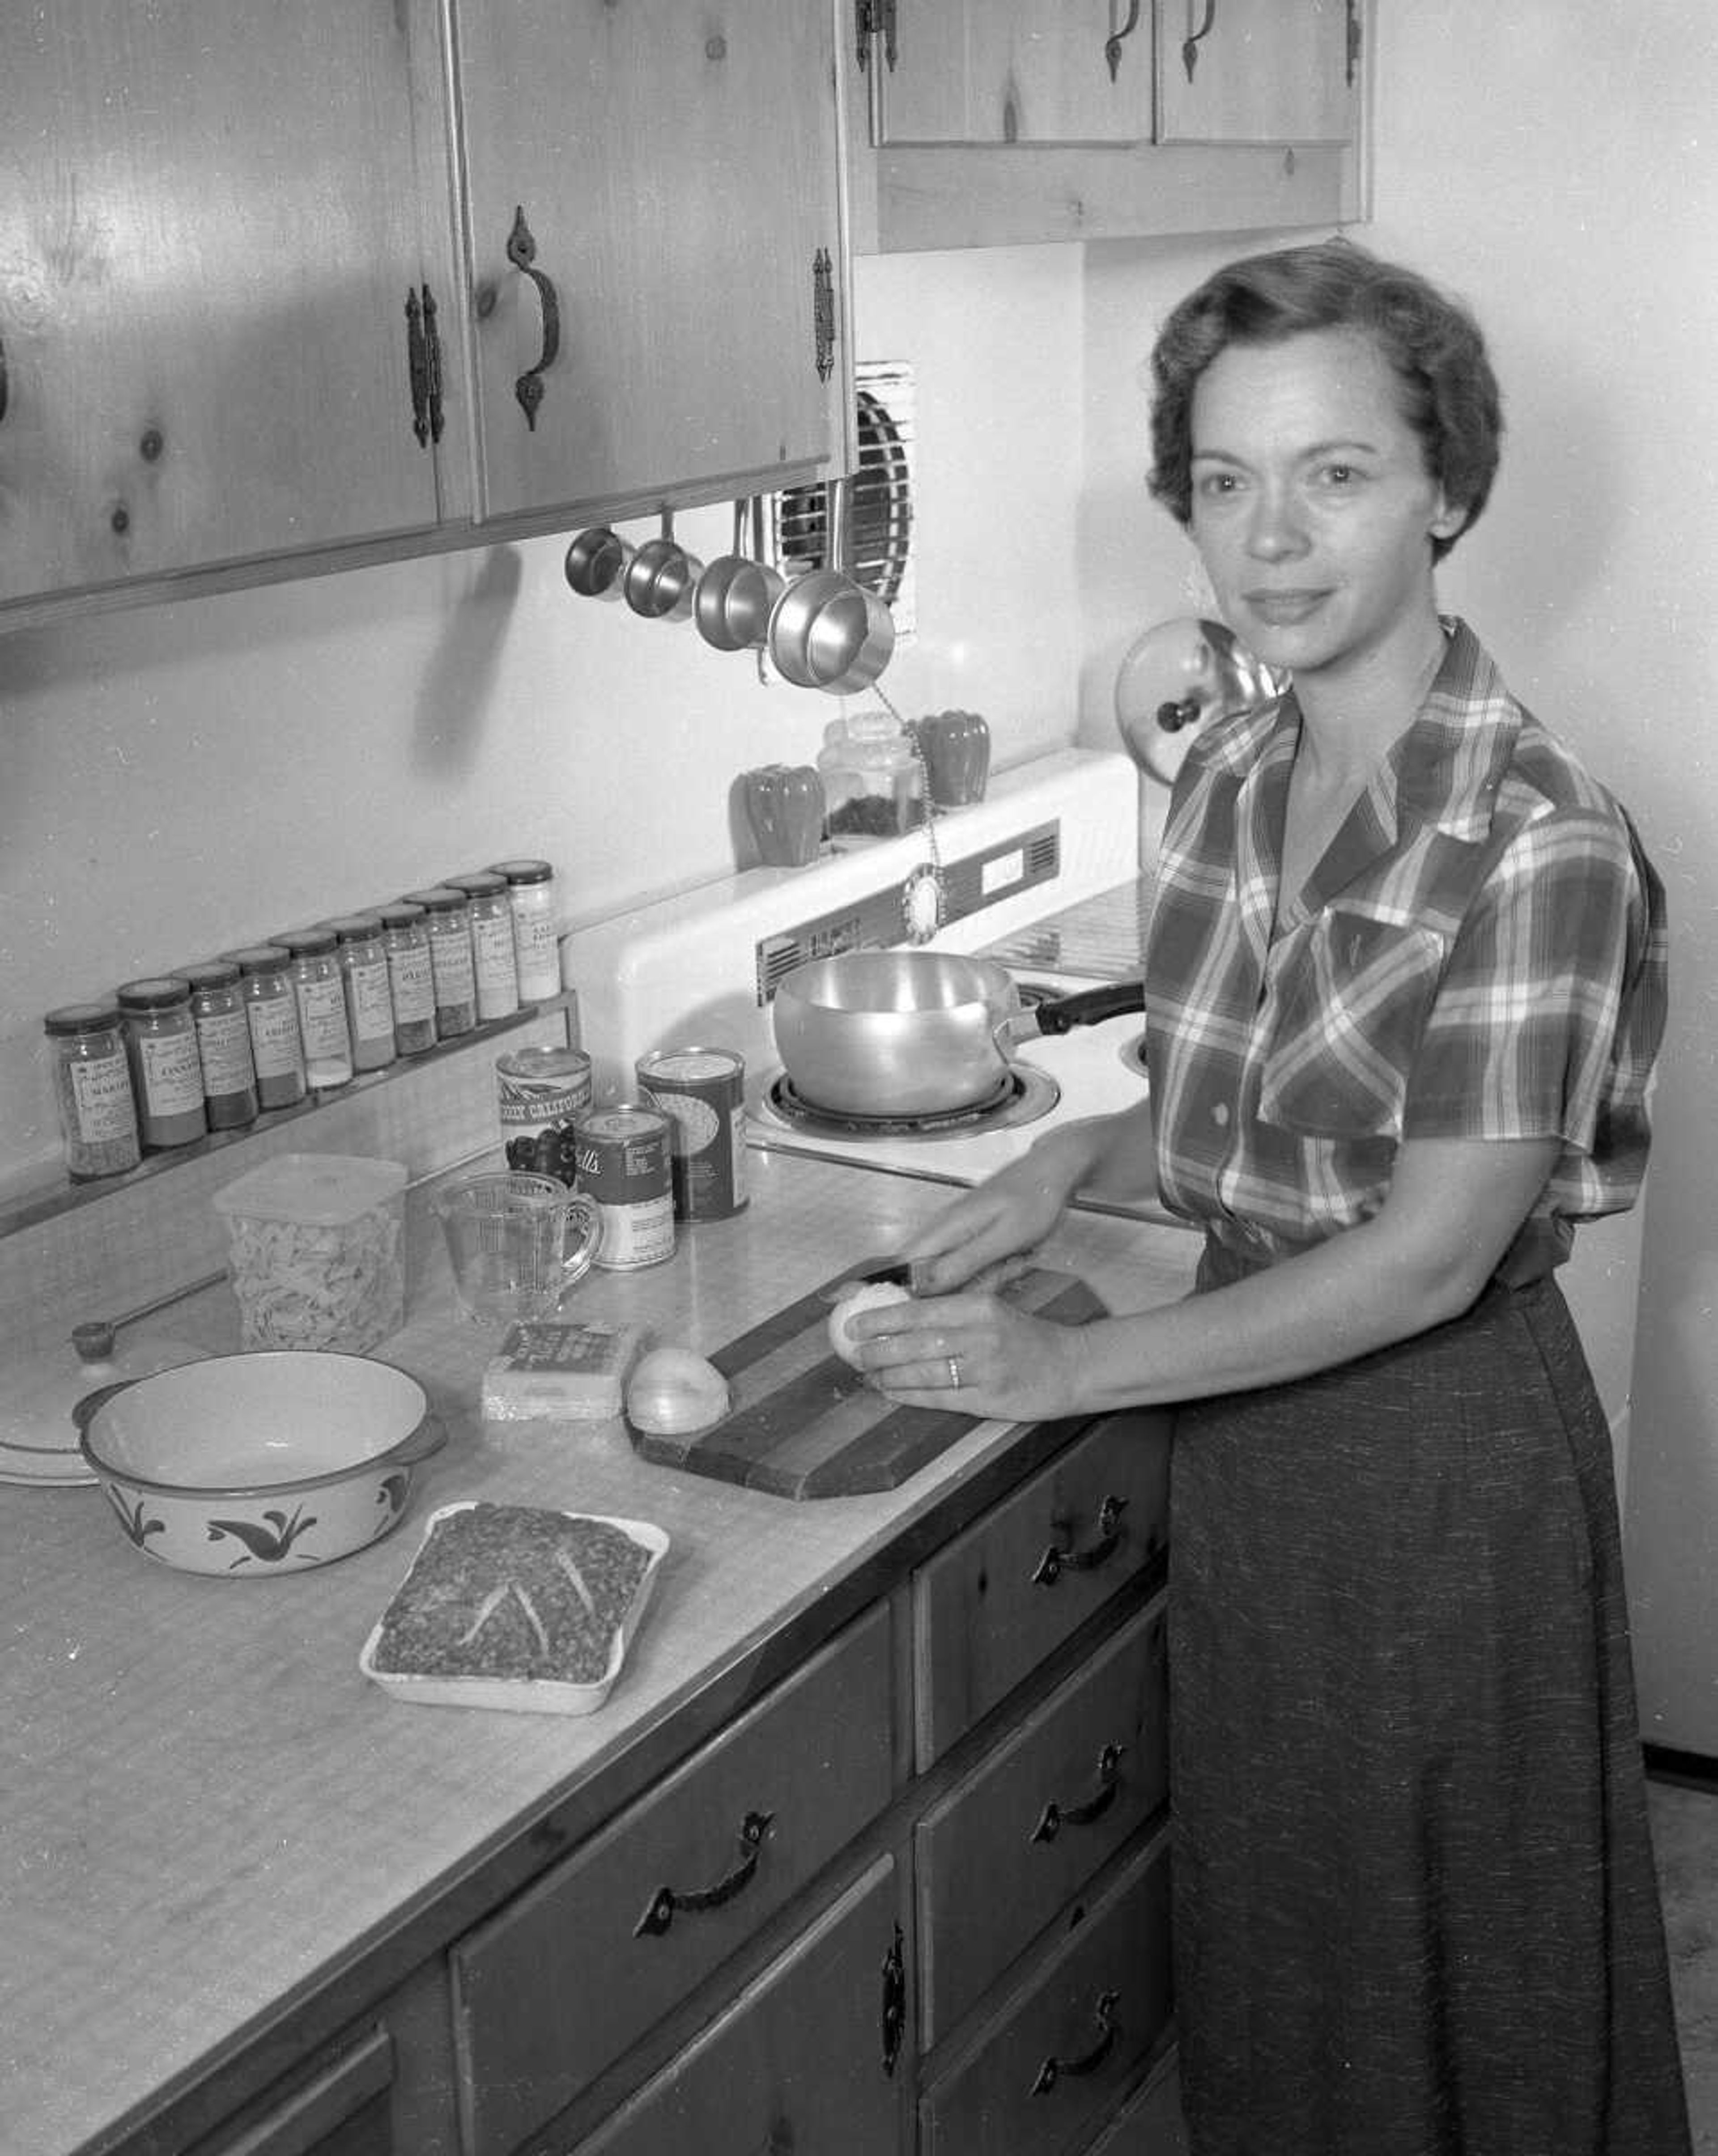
[1404, 982]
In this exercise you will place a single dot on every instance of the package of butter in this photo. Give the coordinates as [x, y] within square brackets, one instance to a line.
[560, 1369]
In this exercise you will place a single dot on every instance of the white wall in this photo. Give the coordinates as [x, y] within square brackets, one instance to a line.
[178, 780]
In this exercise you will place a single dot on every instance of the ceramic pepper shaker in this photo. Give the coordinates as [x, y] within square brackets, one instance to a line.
[785, 803]
[956, 747]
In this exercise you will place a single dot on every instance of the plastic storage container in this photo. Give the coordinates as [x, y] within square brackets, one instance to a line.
[873, 780]
[316, 1251]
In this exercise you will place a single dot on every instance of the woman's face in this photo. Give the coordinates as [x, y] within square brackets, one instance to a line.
[1313, 509]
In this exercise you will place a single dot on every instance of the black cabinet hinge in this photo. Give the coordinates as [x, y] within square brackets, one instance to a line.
[875, 19]
[1354, 35]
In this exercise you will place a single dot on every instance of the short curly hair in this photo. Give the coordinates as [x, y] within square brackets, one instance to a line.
[1450, 394]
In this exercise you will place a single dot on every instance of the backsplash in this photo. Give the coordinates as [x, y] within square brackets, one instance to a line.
[116, 1251]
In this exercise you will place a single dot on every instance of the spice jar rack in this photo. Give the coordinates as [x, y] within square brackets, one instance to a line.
[56, 1193]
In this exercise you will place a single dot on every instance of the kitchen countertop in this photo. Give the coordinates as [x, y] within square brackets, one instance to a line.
[209, 1817]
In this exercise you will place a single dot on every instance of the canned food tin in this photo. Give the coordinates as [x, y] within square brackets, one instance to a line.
[541, 1093]
[702, 1089]
[623, 1159]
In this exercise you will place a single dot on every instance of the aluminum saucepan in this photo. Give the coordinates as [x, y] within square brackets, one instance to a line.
[596, 561]
[904, 1033]
[826, 630]
[710, 599]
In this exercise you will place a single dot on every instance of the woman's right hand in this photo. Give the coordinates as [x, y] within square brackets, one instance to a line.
[1004, 1219]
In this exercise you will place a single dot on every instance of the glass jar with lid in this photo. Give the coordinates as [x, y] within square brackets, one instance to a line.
[166, 1075]
[536, 951]
[411, 980]
[363, 954]
[92, 1089]
[448, 927]
[873, 779]
[272, 1012]
[489, 910]
[321, 993]
[230, 1089]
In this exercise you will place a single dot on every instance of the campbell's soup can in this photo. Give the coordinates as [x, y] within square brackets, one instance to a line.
[702, 1089]
[541, 1093]
[623, 1155]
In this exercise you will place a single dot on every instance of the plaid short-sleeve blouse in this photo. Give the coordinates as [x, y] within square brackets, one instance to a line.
[1481, 954]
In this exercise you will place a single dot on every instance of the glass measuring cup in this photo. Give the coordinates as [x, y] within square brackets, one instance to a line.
[519, 1243]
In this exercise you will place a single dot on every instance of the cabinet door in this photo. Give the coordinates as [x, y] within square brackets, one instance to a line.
[1015, 71]
[1255, 71]
[808, 2057]
[651, 191]
[211, 222]
[554, 1987]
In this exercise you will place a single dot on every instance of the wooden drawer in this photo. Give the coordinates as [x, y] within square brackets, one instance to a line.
[1015, 1840]
[575, 1969]
[991, 1606]
[1058, 2053]
[340, 2107]
[812, 2056]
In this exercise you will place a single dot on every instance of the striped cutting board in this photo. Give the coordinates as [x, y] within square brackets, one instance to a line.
[804, 1424]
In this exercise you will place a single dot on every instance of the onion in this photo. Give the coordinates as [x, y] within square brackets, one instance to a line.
[673, 1391]
[869, 1296]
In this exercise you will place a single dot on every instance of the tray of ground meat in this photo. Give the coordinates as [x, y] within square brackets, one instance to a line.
[515, 1606]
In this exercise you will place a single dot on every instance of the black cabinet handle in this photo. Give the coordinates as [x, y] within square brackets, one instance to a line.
[659, 1911]
[1053, 2068]
[3, 392]
[432, 367]
[418, 367]
[522, 253]
[1059, 1559]
[1055, 1816]
[1190, 48]
[823, 311]
[1112, 45]
[894, 2003]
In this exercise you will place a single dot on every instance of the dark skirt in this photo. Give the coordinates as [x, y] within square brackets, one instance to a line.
[1415, 1906]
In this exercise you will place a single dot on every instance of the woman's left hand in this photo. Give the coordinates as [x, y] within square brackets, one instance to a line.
[972, 1352]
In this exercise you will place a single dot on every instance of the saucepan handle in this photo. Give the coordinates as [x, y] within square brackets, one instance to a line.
[1090, 1006]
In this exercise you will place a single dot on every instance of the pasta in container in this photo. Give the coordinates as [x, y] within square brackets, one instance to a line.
[316, 1251]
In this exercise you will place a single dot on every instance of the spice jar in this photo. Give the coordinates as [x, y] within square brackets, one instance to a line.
[321, 993]
[411, 980]
[449, 928]
[272, 1012]
[167, 1077]
[873, 781]
[370, 1000]
[92, 1089]
[230, 1089]
[490, 912]
[536, 952]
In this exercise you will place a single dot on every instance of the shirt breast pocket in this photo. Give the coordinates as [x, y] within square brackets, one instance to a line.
[1344, 1014]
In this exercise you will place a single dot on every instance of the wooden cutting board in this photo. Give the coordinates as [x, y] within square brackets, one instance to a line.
[804, 1424]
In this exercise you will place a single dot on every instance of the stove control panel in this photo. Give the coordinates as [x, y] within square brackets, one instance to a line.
[877, 921]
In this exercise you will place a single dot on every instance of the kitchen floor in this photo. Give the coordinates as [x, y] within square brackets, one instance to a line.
[1685, 1837]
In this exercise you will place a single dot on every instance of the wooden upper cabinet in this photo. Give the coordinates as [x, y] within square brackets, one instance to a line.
[211, 221]
[1000, 71]
[653, 221]
[1257, 70]
[997, 72]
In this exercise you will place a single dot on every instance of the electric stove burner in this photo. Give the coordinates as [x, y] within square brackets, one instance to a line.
[1021, 1097]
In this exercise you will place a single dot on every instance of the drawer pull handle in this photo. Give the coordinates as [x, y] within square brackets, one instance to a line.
[1056, 1559]
[658, 1913]
[1053, 2068]
[1056, 1816]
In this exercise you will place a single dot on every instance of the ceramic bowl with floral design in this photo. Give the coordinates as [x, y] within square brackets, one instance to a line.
[246, 1466]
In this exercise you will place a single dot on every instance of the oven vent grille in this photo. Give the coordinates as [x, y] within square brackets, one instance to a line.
[877, 921]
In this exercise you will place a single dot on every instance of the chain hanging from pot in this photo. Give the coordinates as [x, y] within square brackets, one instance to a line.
[924, 893]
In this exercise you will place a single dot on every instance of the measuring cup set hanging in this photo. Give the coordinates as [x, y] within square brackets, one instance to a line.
[823, 630]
